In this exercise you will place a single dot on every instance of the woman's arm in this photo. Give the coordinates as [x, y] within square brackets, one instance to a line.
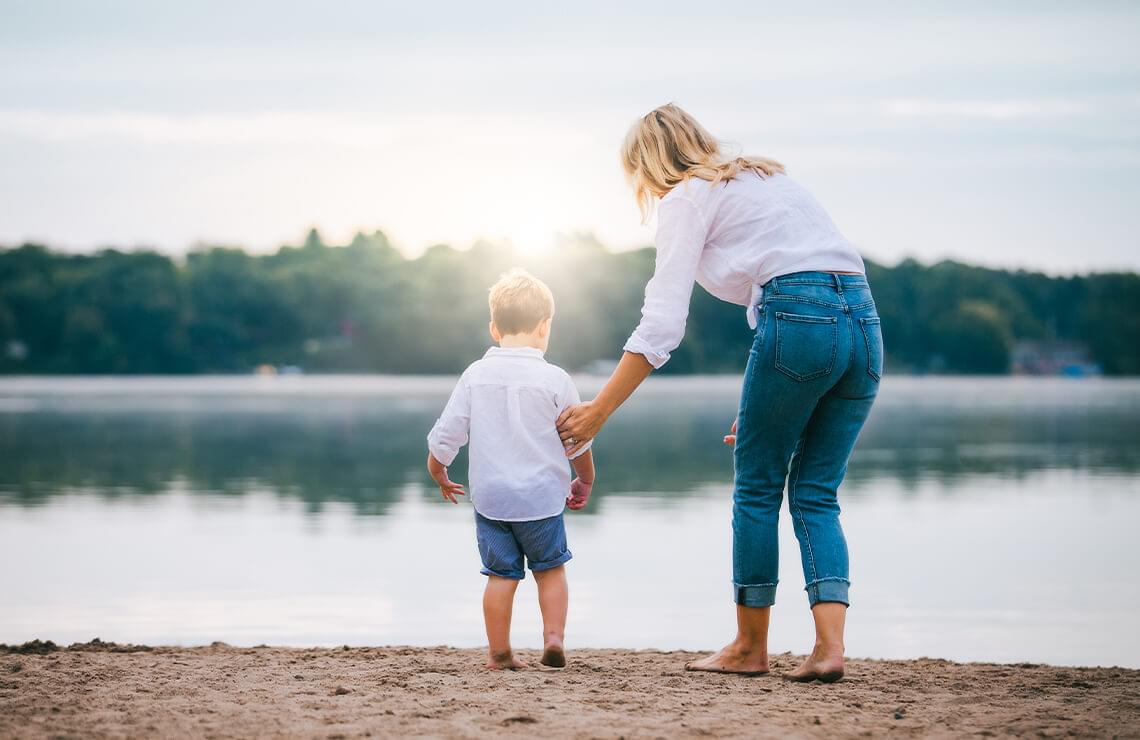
[579, 424]
[681, 232]
[680, 241]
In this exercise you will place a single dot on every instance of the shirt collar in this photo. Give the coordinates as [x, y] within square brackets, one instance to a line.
[532, 352]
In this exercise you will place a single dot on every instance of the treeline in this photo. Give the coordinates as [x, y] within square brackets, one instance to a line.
[363, 307]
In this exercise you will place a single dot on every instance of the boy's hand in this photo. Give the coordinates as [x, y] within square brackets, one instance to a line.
[730, 438]
[579, 494]
[438, 473]
[449, 488]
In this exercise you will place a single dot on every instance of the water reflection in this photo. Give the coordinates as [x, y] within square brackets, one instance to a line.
[296, 511]
[360, 440]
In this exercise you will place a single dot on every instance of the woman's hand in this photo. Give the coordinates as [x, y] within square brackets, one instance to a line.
[579, 424]
[730, 438]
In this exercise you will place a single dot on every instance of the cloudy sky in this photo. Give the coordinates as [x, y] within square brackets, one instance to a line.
[1004, 133]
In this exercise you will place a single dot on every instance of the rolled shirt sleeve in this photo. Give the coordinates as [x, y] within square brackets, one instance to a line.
[680, 240]
[451, 429]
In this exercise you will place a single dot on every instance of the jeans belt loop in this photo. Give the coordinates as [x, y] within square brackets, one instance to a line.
[838, 283]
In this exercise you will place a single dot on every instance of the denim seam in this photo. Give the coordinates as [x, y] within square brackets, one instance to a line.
[829, 578]
[759, 342]
[792, 502]
[804, 319]
[753, 585]
[824, 283]
[851, 354]
[867, 342]
[801, 299]
[825, 304]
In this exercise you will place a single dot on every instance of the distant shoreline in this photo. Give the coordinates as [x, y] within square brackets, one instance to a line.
[448, 380]
[364, 306]
[99, 689]
[293, 377]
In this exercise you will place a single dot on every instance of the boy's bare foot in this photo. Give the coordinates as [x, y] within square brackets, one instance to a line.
[733, 658]
[822, 665]
[505, 662]
[553, 655]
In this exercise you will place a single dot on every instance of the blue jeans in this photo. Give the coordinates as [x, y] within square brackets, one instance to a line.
[812, 376]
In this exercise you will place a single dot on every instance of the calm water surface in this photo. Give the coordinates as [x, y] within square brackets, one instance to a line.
[988, 519]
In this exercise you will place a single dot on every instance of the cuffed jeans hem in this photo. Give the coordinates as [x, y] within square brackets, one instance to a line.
[551, 564]
[757, 595]
[828, 589]
[514, 575]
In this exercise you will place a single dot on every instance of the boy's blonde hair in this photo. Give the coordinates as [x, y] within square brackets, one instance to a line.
[520, 302]
[667, 146]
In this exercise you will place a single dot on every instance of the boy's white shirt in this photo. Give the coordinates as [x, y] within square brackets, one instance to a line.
[506, 405]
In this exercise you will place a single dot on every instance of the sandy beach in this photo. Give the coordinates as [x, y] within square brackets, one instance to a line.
[105, 690]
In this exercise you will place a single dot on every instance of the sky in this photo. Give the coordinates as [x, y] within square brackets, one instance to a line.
[998, 133]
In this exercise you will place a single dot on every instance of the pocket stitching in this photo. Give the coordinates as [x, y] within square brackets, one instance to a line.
[863, 323]
[798, 318]
[801, 318]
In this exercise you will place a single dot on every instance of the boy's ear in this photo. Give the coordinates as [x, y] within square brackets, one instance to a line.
[544, 327]
[495, 335]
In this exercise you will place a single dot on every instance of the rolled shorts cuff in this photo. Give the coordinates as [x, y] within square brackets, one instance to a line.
[755, 595]
[514, 575]
[828, 590]
[550, 564]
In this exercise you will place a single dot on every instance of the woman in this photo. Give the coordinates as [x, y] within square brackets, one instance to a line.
[751, 236]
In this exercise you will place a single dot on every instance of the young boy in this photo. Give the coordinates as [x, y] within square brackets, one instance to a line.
[506, 404]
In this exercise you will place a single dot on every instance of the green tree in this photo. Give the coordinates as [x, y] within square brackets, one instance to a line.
[364, 307]
[1109, 320]
[974, 338]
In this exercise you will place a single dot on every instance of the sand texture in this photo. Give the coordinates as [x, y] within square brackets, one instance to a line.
[105, 690]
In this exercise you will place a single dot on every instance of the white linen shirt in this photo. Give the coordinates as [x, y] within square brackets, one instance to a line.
[507, 404]
[732, 238]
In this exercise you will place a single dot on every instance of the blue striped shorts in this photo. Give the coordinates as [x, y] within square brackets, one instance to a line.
[502, 545]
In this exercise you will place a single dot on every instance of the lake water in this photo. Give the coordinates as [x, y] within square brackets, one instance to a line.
[988, 519]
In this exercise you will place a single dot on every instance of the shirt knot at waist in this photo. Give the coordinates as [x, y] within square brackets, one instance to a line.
[753, 310]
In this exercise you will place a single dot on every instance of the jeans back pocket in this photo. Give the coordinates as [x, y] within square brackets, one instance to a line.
[806, 345]
[873, 337]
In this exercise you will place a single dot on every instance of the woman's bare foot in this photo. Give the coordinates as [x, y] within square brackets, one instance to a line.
[505, 662]
[553, 655]
[822, 665]
[735, 657]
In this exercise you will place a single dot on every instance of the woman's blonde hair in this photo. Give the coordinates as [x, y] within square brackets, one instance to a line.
[667, 146]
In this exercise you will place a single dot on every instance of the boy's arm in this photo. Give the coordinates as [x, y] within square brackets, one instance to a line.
[438, 473]
[446, 438]
[583, 482]
[584, 467]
